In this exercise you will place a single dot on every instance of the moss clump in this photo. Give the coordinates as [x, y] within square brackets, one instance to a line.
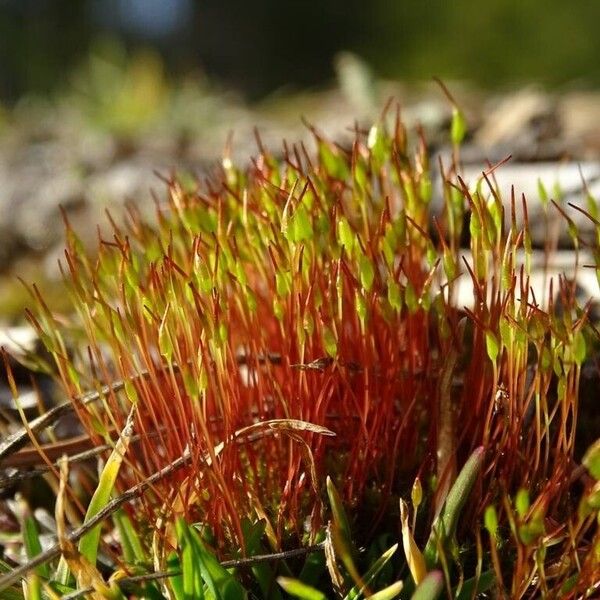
[317, 287]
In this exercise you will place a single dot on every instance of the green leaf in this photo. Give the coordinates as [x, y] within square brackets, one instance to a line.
[410, 297]
[340, 530]
[430, 588]
[130, 390]
[34, 587]
[191, 577]
[88, 544]
[458, 127]
[335, 165]
[474, 587]
[591, 460]
[444, 526]
[367, 273]
[522, 502]
[392, 591]
[329, 342]
[130, 541]
[579, 348]
[164, 339]
[176, 581]
[361, 306]
[394, 295]
[340, 519]
[358, 591]
[297, 589]
[314, 565]
[490, 520]
[345, 234]
[300, 227]
[221, 584]
[283, 283]
[531, 531]
[492, 346]
[542, 193]
[33, 546]
[263, 572]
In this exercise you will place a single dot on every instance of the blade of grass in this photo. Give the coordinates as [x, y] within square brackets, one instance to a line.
[300, 590]
[392, 591]
[357, 592]
[31, 541]
[443, 527]
[430, 588]
[88, 544]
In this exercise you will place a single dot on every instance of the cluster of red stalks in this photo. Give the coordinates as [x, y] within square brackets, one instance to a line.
[317, 286]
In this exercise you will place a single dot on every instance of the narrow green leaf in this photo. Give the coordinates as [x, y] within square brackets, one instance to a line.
[394, 295]
[340, 519]
[458, 127]
[579, 348]
[314, 565]
[340, 532]
[329, 342]
[345, 234]
[591, 460]
[283, 283]
[522, 502]
[444, 526]
[300, 590]
[492, 346]
[88, 544]
[34, 587]
[299, 227]
[392, 591]
[357, 592]
[176, 581]
[263, 572]
[490, 520]
[130, 541]
[367, 273]
[542, 193]
[430, 588]
[410, 297]
[33, 546]
[221, 583]
[474, 587]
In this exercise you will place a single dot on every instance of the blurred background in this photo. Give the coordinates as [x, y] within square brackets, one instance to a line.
[98, 95]
[261, 47]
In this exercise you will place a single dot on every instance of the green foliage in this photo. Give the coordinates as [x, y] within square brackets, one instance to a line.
[444, 526]
[297, 589]
[88, 545]
[591, 460]
[201, 574]
[430, 588]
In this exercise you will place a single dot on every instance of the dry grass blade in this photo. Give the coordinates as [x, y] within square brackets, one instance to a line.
[86, 574]
[330, 560]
